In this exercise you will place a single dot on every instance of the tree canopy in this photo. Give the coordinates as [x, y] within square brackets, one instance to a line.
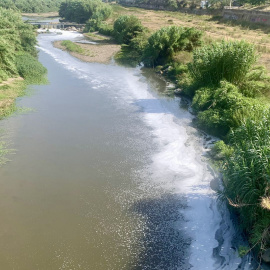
[31, 6]
[17, 39]
[81, 11]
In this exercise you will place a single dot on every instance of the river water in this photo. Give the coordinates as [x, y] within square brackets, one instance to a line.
[108, 174]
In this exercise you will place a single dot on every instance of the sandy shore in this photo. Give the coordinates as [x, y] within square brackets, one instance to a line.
[99, 53]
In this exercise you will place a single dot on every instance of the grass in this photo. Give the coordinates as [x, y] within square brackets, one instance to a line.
[72, 47]
[8, 93]
[96, 36]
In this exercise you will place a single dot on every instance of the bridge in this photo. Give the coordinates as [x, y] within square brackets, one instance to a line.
[56, 25]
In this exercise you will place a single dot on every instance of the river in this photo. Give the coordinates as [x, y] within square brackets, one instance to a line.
[108, 174]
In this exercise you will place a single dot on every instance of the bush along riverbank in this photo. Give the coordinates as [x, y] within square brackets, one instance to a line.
[19, 66]
[230, 96]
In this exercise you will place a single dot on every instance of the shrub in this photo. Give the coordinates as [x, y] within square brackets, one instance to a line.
[81, 11]
[29, 68]
[15, 36]
[220, 150]
[223, 108]
[127, 28]
[7, 59]
[257, 83]
[105, 29]
[165, 42]
[202, 99]
[230, 61]
[247, 177]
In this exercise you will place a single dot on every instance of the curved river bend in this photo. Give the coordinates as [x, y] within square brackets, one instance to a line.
[108, 175]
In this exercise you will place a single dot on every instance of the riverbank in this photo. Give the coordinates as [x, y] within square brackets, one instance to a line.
[102, 52]
[10, 90]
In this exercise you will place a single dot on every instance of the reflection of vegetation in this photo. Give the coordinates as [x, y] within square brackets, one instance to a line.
[31, 6]
[3, 152]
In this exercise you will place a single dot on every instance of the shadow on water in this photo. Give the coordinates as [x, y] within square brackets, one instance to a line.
[165, 245]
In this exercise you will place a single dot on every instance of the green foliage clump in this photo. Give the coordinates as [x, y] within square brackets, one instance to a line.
[16, 37]
[220, 109]
[105, 29]
[7, 59]
[256, 83]
[230, 61]
[247, 177]
[243, 250]
[126, 28]
[30, 68]
[175, 70]
[220, 150]
[132, 54]
[91, 12]
[31, 6]
[71, 46]
[168, 40]
[227, 91]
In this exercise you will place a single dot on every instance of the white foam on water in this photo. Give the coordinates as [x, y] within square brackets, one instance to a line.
[178, 161]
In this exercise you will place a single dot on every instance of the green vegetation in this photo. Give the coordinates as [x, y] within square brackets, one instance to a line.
[158, 48]
[164, 43]
[72, 47]
[246, 173]
[228, 61]
[18, 62]
[17, 43]
[17, 58]
[91, 12]
[30, 69]
[230, 97]
[31, 6]
[126, 28]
